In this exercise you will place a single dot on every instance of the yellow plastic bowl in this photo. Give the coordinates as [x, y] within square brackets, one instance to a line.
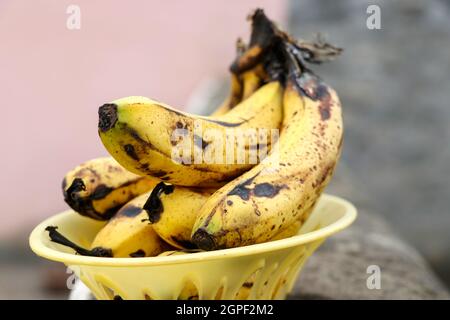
[272, 266]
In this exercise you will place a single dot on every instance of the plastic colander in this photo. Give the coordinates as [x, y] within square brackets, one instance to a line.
[271, 268]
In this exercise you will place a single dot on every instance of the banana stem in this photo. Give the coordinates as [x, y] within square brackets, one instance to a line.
[266, 35]
[57, 237]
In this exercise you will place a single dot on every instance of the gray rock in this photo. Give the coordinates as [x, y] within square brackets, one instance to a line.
[339, 269]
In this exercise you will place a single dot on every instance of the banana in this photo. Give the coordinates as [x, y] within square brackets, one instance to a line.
[293, 229]
[124, 235]
[172, 211]
[173, 214]
[253, 79]
[127, 235]
[242, 87]
[139, 133]
[99, 187]
[236, 88]
[264, 200]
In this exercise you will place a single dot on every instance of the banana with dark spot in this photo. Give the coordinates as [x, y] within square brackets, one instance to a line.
[294, 228]
[99, 187]
[173, 214]
[141, 135]
[125, 235]
[254, 207]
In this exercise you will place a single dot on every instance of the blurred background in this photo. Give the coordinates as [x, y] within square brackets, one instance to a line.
[393, 83]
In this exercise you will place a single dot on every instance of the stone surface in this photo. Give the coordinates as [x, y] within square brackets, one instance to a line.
[339, 269]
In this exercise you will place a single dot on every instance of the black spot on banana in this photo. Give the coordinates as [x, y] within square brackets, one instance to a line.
[99, 187]
[138, 254]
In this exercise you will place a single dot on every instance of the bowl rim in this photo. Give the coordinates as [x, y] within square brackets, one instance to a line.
[42, 250]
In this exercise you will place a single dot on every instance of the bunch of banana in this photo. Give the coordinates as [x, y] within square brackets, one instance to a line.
[255, 206]
[158, 202]
[103, 189]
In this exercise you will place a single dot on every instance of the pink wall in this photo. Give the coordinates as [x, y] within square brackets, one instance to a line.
[52, 80]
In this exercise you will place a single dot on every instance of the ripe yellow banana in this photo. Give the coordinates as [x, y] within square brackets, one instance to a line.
[99, 187]
[172, 211]
[127, 235]
[173, 214]
[139, 133]
[255, 206]
[124, 235]
[236, 88]
[293, 229]
[242, 87]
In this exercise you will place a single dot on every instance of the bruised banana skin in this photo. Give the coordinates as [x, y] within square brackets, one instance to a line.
[126, 235]
[174, 213]
[138, 133]
[99, 187]
[255, 206]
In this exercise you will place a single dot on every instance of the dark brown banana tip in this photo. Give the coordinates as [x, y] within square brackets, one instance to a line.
[203, 240]
[262, 36]
[83, 205]
[153, 206]
[76, 186]
[107, 116]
